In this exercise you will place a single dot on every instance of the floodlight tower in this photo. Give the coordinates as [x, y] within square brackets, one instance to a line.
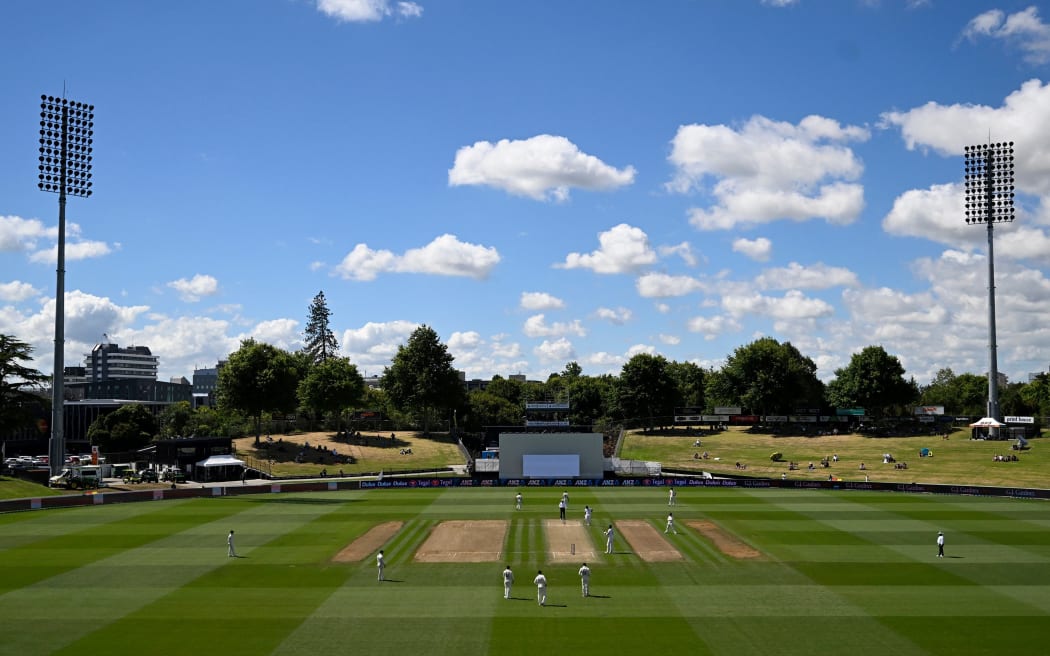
[989, 200]
[66, 130]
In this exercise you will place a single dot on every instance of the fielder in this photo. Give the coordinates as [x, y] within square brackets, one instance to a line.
[380, 563]
[541, 588]
[561, 510]
[585, 580]
[587, 512]
[671, 497]
[517, 501]
[940, 544]
[670, 524]
[231, 552]
[565, 498]
[609, 534]
[508, 580]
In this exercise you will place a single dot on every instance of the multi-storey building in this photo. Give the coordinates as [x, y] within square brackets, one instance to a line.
[108, 361]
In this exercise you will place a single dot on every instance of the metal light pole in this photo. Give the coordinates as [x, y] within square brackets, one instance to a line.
[990, 199]
[66, 128]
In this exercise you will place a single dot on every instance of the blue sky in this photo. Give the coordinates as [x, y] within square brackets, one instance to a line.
[539, 181]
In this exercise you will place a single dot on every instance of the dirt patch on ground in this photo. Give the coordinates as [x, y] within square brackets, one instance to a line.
[368, 543]
[647, 542]
[727, 543]
[462, 541]
[561, 536]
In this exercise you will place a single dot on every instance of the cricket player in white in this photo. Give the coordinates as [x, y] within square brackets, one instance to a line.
[380, 563]
[671, 497]
[232, 553]
[565, 498]
[541, 588]
[587, 515]
[609, 534]
[508, 580]
[670, 524]
[517, 501]
[585, 579]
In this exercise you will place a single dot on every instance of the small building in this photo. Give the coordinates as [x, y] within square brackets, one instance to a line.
[192, 455]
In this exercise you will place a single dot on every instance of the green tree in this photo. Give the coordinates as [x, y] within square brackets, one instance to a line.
[320, 341]
[689, 380]
[511, 390]
[487, 409]
[587, 397]
[421, 378]
[965, 394]
[873, 380]
[176, 419]
[17, 401]
[259, 378]
[332, 386]
[766, 377]
[646, 389]
[1036, 394]
[128, 428]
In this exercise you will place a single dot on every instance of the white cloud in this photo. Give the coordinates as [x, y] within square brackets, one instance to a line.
[542, 167]
[195, 288]
[640, 348]
[536, 326]
[18, 234]
[376, 343]
[76, 250]
[366, 11]
[947, 129]
[1023, 29]
[609, 363]
[282, 333]
[935, 214]
[794, 305]
[768, 170]
[618, 316]
[757, 249]
[464, 340]
[712, 327]
[779, 3]
[560, 350]
[670, 340]
[662, 285]
[17, 291]
[445, 256]
[540, 301]
[797, 276]
[683, 250]
[662, 308]
[622, 249]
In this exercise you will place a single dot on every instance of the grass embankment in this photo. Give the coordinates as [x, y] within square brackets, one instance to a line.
[957, 460]
[16, 488]
[371, 452]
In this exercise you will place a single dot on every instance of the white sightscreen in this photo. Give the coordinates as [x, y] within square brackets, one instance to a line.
[550, 466]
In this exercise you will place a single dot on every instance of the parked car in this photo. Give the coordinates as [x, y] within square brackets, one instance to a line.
[148, 476]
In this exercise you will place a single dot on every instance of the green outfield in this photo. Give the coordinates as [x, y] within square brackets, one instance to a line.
[839, 572]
